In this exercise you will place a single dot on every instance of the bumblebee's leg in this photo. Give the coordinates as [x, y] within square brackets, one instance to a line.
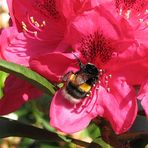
[79, 62]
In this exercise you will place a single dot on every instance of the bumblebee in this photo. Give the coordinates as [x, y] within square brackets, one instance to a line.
[78, 85]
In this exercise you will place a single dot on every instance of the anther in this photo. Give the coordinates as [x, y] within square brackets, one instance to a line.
[140, 20]
[120, 12]
[87, 95]
[127, 14]
[101, 71]
[94, 85]
[36, 24]
[99, 82]
[109, 76]
[23, 24]
[43, 23]
[108, 89]
[32, 19]
[106, 82]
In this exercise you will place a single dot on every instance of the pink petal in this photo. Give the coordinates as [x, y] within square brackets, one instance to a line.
[15, 47]
[16, 93]
[143, 96]
[70, 118]
[131, 63]
[120, 106]
[53, 66]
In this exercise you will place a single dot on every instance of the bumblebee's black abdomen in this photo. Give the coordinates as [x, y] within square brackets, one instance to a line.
[75, 92]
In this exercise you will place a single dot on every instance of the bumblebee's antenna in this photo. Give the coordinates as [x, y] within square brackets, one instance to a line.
[79, 61]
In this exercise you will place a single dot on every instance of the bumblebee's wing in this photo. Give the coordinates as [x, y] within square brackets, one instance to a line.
[81, 78]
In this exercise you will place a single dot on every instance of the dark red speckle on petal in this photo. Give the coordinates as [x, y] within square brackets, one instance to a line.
[47, 8]
[96, 47]
[136, 5]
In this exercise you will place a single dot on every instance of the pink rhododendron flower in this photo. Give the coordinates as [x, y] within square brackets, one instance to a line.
[98, 38]
[134, 15]
[41, 31]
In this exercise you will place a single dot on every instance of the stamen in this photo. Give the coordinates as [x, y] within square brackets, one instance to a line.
[35, 24]
[105, 81]
[120, 11]
[24, 26]
[146, 11]
[37, 27]
[127, 14]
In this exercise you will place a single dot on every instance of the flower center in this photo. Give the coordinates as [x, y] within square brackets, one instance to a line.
[95, 48]
[47, 8]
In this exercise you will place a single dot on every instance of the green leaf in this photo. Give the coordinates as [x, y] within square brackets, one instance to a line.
[3, 77]
[27, 74]
[101, 143]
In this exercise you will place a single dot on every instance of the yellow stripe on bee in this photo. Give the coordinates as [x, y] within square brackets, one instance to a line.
[72, 77]
[85, 87]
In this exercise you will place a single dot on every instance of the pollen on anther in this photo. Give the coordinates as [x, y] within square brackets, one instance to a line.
[32, 19]
[44, 23]
[127, 14]
[23, 24]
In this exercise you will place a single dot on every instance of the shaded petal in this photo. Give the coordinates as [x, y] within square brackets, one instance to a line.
[72, 8]
[10, 7]
[120, 105]
[54, 65]
[70, 118]
[15, 47]
[16, 93]
[143, 96]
